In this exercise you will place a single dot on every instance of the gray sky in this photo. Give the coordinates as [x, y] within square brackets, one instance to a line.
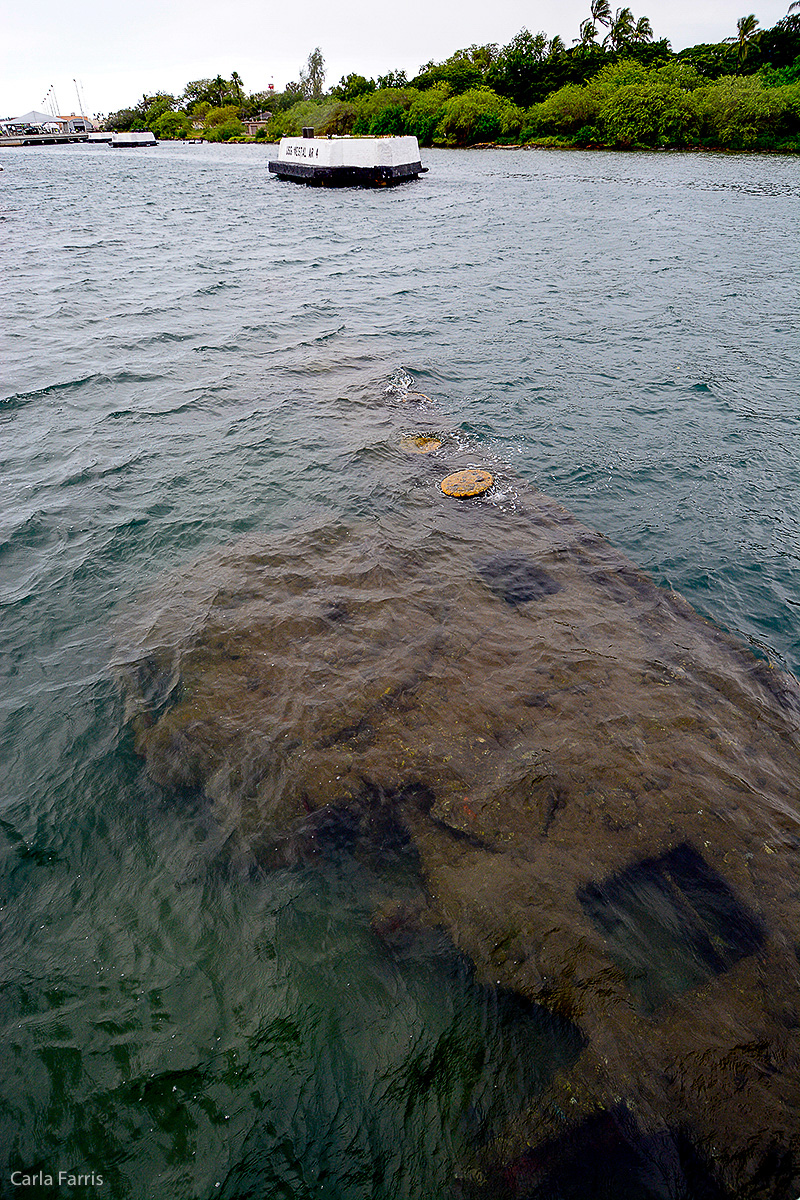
[117, 53]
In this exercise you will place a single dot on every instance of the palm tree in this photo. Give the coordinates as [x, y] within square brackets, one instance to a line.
[747, 36]
[643, 30]
[588, 33]
[236, 84]
[219, 89]
[622, 29]
[601, 12]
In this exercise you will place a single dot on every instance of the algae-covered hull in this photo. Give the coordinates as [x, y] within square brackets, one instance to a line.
[601, 787]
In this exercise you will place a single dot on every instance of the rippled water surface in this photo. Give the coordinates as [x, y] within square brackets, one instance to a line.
[196, 354]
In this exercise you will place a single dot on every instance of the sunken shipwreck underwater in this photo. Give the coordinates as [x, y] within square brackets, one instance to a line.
[600, 787]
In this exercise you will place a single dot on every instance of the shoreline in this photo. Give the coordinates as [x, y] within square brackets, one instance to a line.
[538, 145]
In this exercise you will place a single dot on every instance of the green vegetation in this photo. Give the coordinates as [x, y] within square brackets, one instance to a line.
[615, 86]
[627, 105]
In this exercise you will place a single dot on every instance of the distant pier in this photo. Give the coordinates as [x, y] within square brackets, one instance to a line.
[43, 139]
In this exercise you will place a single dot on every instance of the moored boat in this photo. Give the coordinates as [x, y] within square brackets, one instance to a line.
[347, 161]
[134, 139]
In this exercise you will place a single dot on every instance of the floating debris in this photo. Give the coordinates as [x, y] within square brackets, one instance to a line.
[470, 482]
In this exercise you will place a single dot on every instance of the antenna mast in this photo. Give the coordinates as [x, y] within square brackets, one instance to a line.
[50, 96]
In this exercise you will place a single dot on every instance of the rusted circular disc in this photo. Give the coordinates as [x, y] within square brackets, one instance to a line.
[467, 483]
[420, 443]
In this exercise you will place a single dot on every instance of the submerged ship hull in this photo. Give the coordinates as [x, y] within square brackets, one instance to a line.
[597, 787]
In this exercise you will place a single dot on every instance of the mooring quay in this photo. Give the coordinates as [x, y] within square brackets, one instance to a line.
[42, 139]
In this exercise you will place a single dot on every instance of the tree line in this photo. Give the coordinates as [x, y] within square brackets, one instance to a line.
[615, 85]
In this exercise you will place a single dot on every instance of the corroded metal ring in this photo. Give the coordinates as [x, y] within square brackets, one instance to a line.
[420, 443]
[471, 482]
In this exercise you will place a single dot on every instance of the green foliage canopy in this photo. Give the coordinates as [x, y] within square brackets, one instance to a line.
[626, 105]
[479, 115]
[171, 125]
[350, 87]
[628, 91]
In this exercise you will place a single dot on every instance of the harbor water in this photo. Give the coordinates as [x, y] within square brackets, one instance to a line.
[199, 359]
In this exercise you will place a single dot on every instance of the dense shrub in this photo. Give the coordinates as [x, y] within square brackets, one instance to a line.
[478, 115]
[172, 125]
[390, 120]
[338, 119]
[224, 131]
[564, 112]
[222, 123]
[425, 113]
[123, 120]
[283, 124]
[457, 74]
[649, 114]
[291, 122]
[352, 86]
[710, 59]
[384, 111]
[626, 105]
[739, 112]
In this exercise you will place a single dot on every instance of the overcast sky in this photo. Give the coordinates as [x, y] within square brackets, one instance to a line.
[118, 53]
